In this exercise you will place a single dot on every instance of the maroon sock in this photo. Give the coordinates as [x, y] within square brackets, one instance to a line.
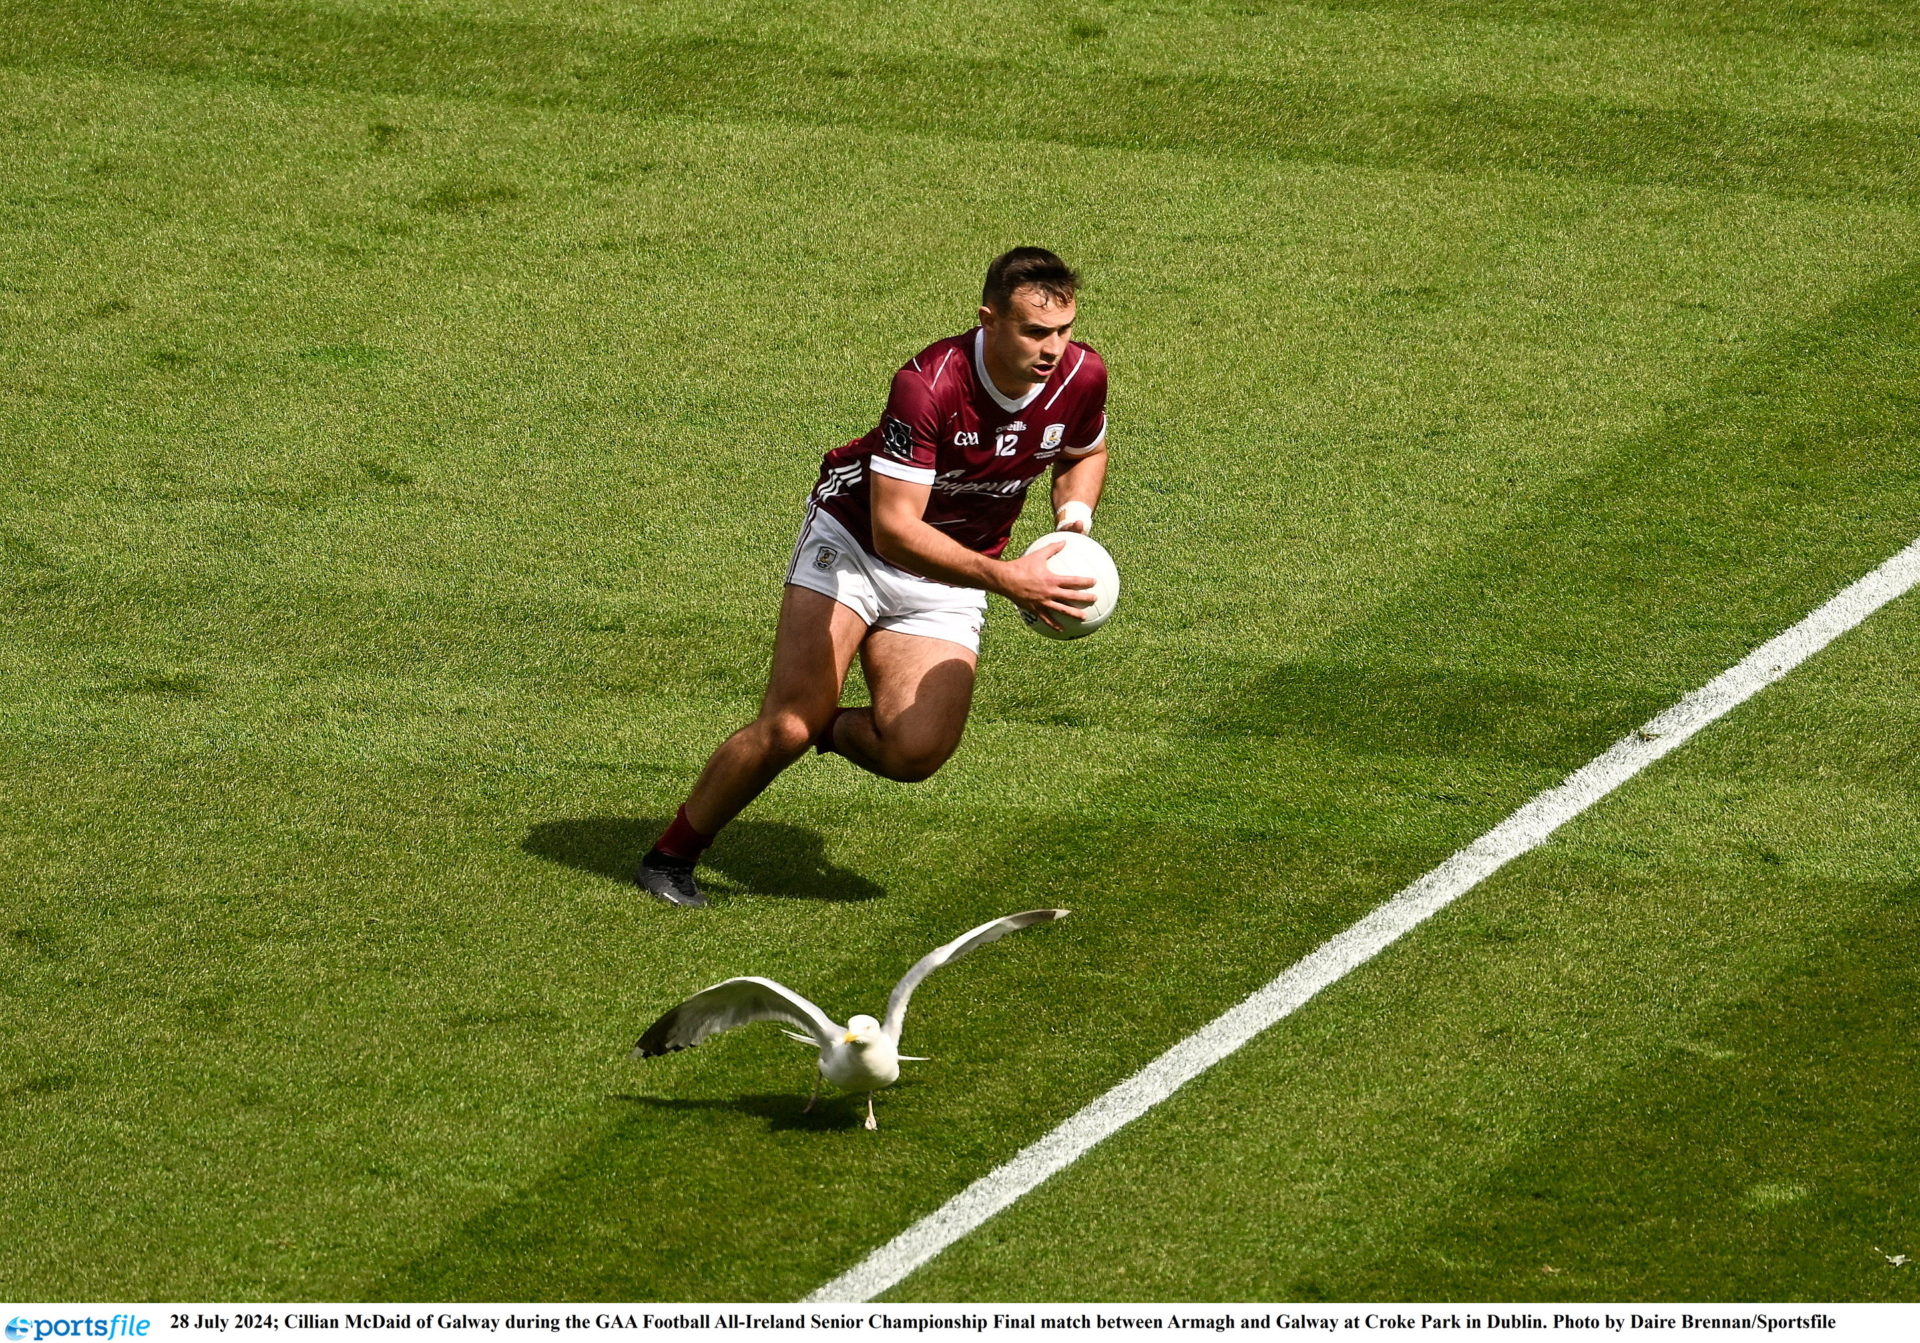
[681, 840]
[824, 742]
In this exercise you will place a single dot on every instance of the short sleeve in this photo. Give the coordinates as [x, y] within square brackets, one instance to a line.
[1087, 425]
[909, 431]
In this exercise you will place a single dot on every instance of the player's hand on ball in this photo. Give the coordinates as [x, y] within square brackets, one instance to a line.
[1074, 557]
[1032, 586]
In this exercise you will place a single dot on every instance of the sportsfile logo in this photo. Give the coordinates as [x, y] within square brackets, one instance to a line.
[20, 1328]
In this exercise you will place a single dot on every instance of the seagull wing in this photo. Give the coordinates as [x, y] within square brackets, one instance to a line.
[960, 946]
[730, 1003]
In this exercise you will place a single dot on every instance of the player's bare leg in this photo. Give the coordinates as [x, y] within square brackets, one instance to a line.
[812, 652]
[922, 689]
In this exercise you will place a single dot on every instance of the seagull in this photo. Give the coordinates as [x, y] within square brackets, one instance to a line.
[864, 1055]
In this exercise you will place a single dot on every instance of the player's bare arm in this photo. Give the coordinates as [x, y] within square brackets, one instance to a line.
[1077, 483]
[903, 537]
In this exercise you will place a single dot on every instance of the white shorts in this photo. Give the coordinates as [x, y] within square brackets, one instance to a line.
[829, 561]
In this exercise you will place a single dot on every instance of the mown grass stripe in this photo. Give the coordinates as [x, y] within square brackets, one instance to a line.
[1072, 102]
[1851, 24]
[1522, 831]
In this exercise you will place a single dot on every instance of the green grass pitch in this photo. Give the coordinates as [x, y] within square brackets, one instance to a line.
[407, 411]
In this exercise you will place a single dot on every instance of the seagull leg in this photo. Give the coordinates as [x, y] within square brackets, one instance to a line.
[872, 1123]
[813, 1094]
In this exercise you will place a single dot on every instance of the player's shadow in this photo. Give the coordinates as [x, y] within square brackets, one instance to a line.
[760, 857]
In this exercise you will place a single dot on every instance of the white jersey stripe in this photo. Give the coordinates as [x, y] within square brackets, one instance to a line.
[886, 466]
[1098, 439]
[1064, 381]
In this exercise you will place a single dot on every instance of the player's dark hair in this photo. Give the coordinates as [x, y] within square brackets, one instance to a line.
[1022, 266]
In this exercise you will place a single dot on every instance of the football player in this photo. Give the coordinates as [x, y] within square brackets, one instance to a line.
[900, 546]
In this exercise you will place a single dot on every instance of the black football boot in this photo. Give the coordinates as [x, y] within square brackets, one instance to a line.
[670, 879]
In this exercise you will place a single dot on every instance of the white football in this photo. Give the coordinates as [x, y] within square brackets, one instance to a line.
[1083, 557]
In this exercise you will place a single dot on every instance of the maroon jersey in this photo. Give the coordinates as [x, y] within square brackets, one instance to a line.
[947, 425]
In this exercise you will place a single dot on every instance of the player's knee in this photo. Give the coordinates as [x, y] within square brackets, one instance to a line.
[912, 765]
[912, 771]
[787, 734]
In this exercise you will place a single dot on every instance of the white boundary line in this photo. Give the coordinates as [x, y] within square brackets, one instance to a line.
[1523, 830]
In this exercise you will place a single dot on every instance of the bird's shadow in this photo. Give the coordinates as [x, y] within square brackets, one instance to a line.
[763, 857]
[783, 1111]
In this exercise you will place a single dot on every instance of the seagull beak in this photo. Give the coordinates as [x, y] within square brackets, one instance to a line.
[846, 1037]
